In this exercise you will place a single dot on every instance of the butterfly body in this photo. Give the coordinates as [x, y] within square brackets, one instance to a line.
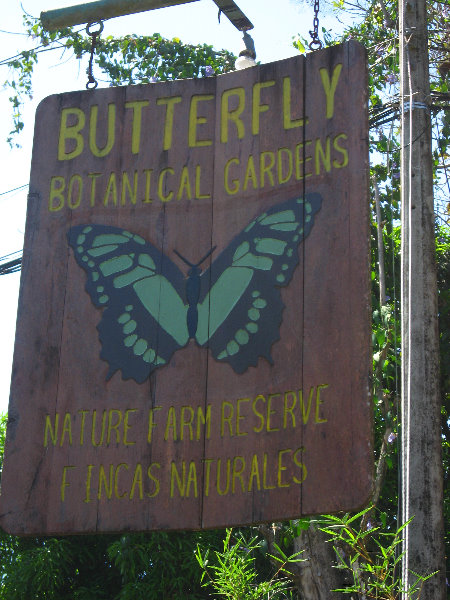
[152, 309]
[192, 297]
[193, 287]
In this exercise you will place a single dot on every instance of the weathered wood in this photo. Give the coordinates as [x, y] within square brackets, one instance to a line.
[188, 226]
[339, 293]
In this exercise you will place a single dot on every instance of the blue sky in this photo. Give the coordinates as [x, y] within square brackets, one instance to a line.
[276, 23]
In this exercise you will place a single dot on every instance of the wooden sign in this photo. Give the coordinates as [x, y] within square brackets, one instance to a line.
[193, 339]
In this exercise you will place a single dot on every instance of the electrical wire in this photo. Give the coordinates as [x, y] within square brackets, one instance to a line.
[11, 265]
[20, 187]
[13, 32]
[55, 45]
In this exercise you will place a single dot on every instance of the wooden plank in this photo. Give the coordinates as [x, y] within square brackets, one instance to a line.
[261, 436]
[337, 348]
[37, 347]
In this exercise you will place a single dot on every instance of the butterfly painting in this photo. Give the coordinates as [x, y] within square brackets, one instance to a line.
[152, 308]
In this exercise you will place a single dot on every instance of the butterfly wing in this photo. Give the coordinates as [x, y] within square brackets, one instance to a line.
[241, 308]
[143, 293]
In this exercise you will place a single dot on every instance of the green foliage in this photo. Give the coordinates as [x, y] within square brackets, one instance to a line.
[3, 421]
[21, 66]
[162, 565]
[154, 566]
[232, 573]
[375, 26]
[146, 59]
[443, 274]
[371, 556]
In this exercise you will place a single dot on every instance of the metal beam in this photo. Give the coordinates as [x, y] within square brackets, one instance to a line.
[231, 10]
[108, 9]
[100, 11]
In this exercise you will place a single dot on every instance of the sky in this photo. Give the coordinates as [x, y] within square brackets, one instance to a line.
[276, 23]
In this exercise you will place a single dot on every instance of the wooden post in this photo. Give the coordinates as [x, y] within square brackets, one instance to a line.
[422, 482]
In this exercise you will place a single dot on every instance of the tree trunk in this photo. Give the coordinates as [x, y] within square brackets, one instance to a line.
[316, 576]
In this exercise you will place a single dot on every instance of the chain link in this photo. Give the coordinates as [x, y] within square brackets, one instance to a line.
[315, 44]
[92, 83]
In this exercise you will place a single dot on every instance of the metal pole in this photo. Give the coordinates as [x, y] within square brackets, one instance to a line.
[100, 11]
[422, 478]
[107, 9]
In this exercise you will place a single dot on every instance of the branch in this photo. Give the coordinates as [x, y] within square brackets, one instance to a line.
[380, 243]
[388, 22]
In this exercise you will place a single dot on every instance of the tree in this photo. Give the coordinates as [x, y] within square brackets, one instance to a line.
[128, 565]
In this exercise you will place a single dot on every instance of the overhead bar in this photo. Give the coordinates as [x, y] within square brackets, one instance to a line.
[108, 9]
[231, 10]
[100, 11]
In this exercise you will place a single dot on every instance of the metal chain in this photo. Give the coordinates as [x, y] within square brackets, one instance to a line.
[315, 44]
[92, 83]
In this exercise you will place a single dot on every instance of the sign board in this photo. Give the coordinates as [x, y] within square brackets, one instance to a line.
[193, 339]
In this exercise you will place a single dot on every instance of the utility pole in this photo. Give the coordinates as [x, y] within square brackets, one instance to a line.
[422, 479]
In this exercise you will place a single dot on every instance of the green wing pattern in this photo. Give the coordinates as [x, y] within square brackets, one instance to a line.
[241, 311]
[142, 291]
[151, 309]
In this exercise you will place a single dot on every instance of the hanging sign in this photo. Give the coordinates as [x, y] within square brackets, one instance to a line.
[193, 339]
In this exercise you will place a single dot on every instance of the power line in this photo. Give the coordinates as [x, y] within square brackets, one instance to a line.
[12, 265]
[38, 50]
[20, 187]
[13, 32]
[46, 47]
[10, 254]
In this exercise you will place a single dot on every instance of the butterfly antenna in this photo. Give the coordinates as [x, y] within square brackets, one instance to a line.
[199, 262]
[206, 256]
[189, 264]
